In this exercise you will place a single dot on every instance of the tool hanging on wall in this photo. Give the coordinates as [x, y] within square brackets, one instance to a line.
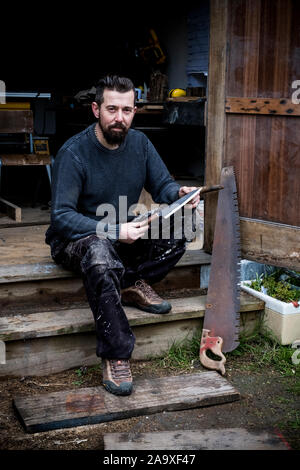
[221, 321]
[153, 53]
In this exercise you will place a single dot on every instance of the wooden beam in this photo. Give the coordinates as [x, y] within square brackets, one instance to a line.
[94, 405]
[15, 105]
[150, 110]
[25, 159]
[269, 106]
[186, 99]
[270, 243]
[215, 127]
[13, 211]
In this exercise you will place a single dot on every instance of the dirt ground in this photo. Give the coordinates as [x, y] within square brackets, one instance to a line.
[266, 403]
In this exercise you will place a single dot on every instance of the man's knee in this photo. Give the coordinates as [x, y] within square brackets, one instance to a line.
[101, 255]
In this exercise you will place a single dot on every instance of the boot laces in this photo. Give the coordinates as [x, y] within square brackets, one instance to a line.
[120, 369]
[147, 290]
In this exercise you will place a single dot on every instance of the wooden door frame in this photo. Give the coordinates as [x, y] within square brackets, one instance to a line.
[215, 116]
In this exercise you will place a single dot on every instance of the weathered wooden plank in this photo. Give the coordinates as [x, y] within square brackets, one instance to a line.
[94, 405]
[50, 270]
[270, 106]
[30, 216]
[47, 269]
[25, 159]
[28, 243]
[270, 243]
[205, 439]
[33, 271]
[52, 354]
[49, 355]
[262, 150]
[46, 347]
[194, 257]
[24, 245]
[55, 294]
[16, 121]
[262, 53]
[15, 105]
[151, 111]
[76, 320]
[13, 211]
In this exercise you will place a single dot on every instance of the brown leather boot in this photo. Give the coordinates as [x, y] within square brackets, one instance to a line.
[142, 296]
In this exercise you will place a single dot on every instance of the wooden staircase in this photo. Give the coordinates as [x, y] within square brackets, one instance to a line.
[46, 323]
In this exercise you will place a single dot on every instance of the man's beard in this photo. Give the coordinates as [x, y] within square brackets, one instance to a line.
[114, 137]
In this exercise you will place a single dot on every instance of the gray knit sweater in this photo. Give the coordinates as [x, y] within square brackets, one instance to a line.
[87, 175]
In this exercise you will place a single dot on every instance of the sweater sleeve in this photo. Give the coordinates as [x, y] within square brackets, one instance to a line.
[67, 184]
[159, 182]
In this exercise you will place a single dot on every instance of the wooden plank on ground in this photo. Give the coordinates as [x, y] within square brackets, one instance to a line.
[204, 439]
[78, 320]
[13, 211]
[30, 216]
[94, 405]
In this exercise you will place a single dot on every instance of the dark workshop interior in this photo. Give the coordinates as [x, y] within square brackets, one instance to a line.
[61, 60]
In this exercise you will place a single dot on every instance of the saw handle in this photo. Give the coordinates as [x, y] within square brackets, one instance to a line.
[214, 343]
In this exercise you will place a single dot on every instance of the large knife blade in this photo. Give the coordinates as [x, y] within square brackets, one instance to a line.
[169, 210]
[222, 311]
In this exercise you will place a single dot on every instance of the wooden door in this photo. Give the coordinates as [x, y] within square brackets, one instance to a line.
[253, 123]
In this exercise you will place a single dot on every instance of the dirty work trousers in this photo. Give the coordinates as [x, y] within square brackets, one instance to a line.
[107, 267]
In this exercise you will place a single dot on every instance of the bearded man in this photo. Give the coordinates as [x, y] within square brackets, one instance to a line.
[107, 163]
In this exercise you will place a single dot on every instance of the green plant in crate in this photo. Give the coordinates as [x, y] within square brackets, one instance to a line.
[281, 284]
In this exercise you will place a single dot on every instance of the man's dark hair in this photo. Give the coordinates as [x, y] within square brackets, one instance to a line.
[113, 82]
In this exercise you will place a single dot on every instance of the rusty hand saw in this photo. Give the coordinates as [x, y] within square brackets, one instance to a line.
[222, 317]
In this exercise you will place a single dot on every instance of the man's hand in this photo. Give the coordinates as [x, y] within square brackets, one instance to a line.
[187, 189]
[131, 231]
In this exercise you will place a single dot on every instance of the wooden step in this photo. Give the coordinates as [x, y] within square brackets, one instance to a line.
[78, 320]
[204, 439]
[49, 270]
[25, 256]
[41, 284]
[49, 342]
[57, 294]
[94, 405]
